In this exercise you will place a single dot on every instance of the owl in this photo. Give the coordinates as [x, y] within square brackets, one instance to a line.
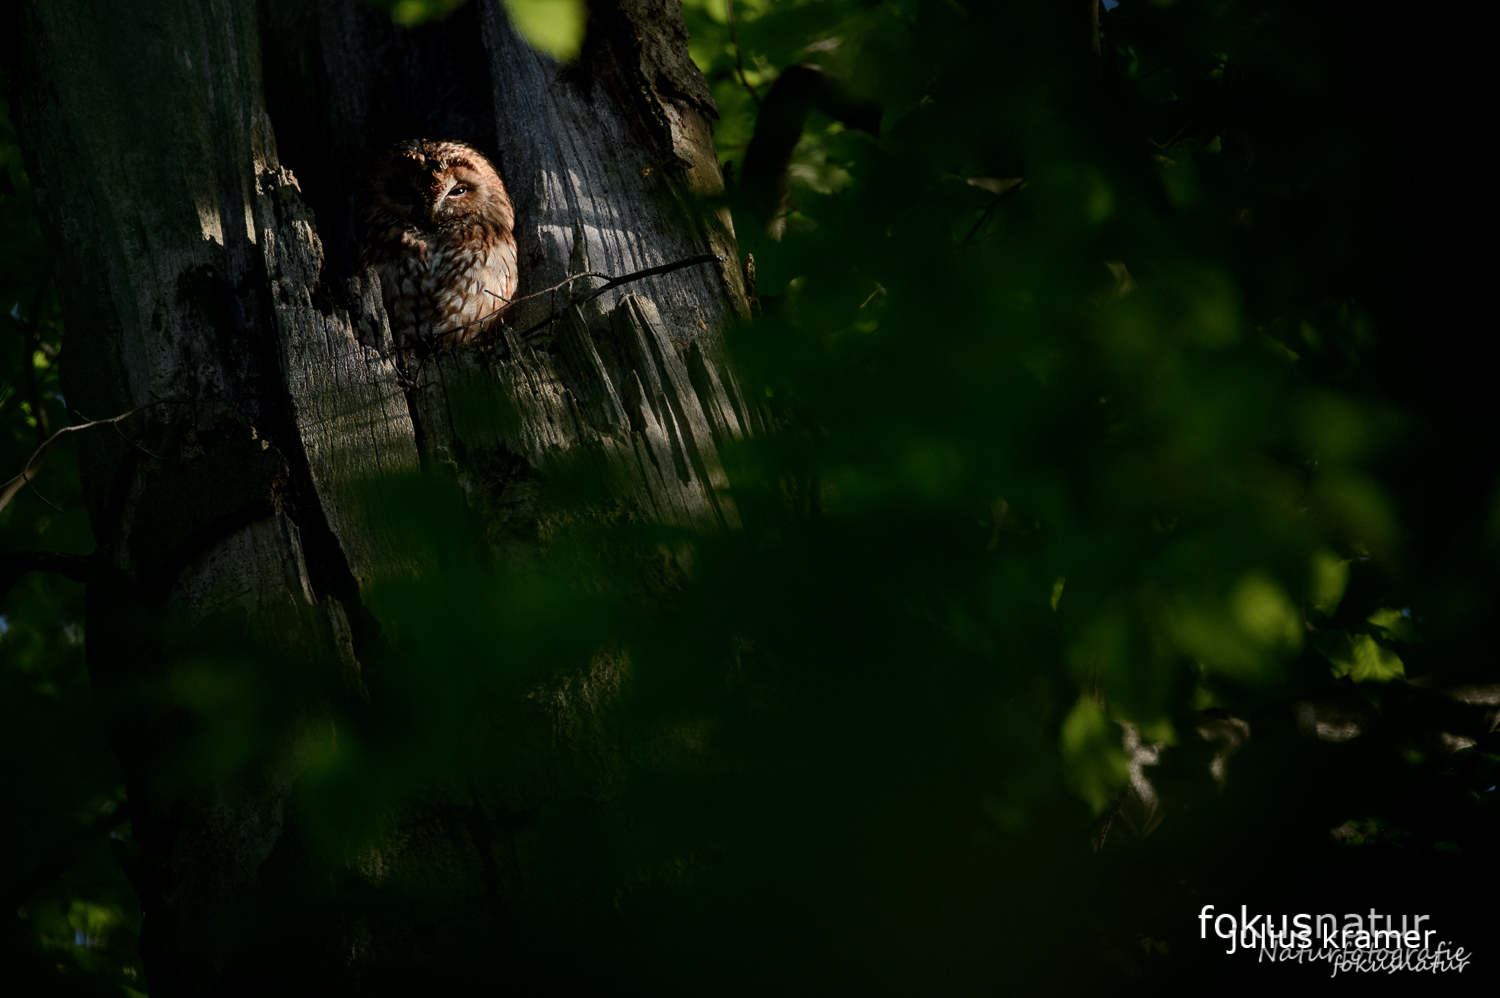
[435, 221]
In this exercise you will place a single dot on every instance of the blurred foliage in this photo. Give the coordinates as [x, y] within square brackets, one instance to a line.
[1130, 338]
[71, 920]
[1103, 396]
[552, 26]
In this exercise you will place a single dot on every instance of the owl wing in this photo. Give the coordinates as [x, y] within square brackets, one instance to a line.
[498, 273]
[494, 285]
[399, 259]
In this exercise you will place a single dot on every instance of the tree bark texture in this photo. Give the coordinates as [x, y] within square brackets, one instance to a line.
[196, 163]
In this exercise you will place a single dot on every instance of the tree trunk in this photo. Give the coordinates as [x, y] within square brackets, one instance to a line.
[237, 516]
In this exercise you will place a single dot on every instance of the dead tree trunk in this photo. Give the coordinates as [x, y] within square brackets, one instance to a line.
[196, 164]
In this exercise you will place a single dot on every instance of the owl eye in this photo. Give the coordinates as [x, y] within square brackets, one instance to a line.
[458, 191]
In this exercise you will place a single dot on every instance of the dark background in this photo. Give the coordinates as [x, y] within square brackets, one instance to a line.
[905, 793]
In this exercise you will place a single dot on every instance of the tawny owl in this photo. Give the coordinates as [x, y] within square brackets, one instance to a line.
[436, 223]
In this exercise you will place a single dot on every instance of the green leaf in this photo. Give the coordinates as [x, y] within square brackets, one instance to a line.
[1395, 626]
[552, 26]
[1330, 577]
[1245, 636]
[410, 13]
[1361, 658]
[1096, 764]
[1263, 612]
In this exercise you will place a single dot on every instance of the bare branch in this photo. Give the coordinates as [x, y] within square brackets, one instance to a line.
[547, 291]
[121, 434]
[39, 456]
[1165, 146]
[615, 282]
[38, 493]
[997, 187]
[610, 283]
[797, 92]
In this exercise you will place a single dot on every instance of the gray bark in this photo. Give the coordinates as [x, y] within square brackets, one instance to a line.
[207, 282]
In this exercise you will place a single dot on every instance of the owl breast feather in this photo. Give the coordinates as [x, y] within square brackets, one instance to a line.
[450, 286]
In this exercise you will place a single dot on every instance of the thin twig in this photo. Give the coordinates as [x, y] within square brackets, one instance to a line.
[555, 287]
[988, 211]
[739, 59]
[39, 456]
[610, 284]
[121, 433]
[983, 218]
[37, 492]
[615, 282]
[1164, 146]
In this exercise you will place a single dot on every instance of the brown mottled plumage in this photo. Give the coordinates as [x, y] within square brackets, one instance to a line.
[436, 223]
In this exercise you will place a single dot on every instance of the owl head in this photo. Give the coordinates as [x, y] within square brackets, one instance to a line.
[430, 185]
